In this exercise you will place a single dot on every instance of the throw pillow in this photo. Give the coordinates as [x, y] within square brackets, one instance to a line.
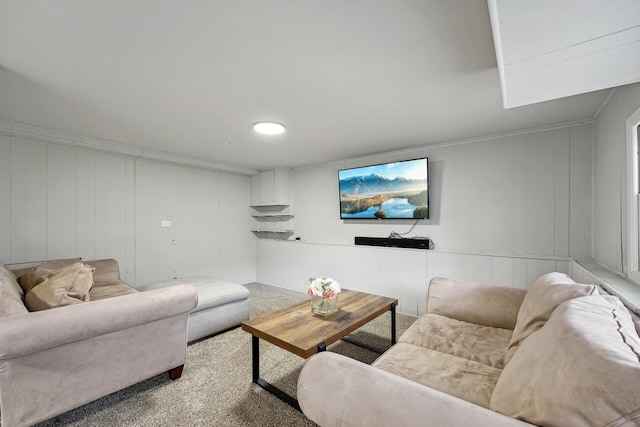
[582, 368]
[69, 285]
[37, 274]
[546, 293]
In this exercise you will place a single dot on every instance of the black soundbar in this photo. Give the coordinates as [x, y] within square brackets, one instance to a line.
[393, 243]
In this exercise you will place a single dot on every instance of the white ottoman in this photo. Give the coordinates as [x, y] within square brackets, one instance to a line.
[221, 304]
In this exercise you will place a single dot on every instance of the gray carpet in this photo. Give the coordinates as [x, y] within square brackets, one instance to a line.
[215, 388]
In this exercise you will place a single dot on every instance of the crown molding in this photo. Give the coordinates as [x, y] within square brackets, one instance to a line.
[38, 134]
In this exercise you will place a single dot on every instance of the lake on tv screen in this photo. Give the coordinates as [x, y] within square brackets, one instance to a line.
[395, 208]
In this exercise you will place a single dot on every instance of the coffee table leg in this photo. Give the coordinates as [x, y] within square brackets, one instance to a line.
[255, 358]
[393, 334]
[255, 361]
[393, 324]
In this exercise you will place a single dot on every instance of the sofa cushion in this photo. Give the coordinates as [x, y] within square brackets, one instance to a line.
[581, 368]
[217, 293]
[546, 293]
[11, 294]
[110, 290]
[69, 285]
[212, 292]
[479, 343]
[29, 278]
[457, 376]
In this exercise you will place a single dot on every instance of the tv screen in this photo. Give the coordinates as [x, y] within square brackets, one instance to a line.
[386, 191]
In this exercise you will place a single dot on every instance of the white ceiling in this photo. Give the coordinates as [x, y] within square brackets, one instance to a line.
[348, 77]
[583, 45]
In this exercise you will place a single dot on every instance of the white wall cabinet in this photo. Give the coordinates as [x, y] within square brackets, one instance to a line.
[271, 203]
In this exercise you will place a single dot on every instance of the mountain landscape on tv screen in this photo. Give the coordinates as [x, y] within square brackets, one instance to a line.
[376, 196]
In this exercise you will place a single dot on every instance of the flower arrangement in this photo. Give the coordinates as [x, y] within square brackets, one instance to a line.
[324, 295]
[324, 287]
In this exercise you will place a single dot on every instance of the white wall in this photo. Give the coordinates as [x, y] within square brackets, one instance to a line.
[610, 186]
[209, 224]
[61, 202]
[503, 211]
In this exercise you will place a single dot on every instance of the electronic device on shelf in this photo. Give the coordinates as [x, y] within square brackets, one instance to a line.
[411, 243]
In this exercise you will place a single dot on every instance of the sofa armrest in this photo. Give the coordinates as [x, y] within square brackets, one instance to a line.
[334, 390]
[473, 302]
[29, 333]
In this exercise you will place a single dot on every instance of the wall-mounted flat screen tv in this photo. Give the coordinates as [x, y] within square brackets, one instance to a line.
[398, 190]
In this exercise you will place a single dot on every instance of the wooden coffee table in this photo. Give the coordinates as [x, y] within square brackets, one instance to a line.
[300, 332]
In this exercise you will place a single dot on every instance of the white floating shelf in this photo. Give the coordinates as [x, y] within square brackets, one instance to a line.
[273, 234]
[272, 217]
[269, 208]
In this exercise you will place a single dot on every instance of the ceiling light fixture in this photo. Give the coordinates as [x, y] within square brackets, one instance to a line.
[269, 128]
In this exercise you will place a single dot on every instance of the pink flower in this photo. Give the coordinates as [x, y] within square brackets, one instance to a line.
[331, 294]
[324, 287]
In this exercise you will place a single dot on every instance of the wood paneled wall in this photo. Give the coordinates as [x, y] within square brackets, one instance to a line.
[610, 178]
[64, 203]
[503, 211]
[394, 272]
[526, 194]
[61, 202]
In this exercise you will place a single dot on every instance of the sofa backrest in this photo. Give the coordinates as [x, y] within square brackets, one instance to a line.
[106, 283]
[582, 368]
[107, 271]
[634, 317]
[636, 321]
[19, 272]
[11, 294]
[473, 302]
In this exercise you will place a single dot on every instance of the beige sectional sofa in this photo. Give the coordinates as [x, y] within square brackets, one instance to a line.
[560, 354]
[56, 359]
